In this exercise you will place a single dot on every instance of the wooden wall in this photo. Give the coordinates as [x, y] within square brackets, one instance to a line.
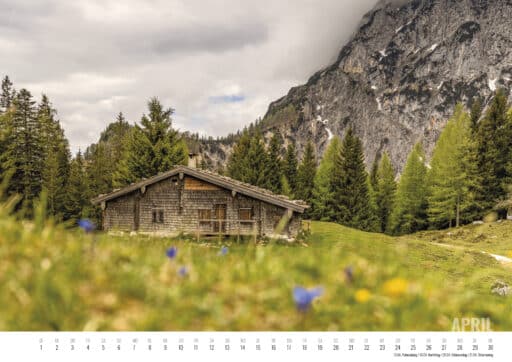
[180, 201]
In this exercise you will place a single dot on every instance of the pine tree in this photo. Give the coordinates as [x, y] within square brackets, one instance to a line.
[273, 165]
[8, 94]
[306, 175]
[322, 205]
[290, 164]
[448, 178]
[385, 190]
[494, 139]
[352, 202]
[23, 157]
[77, 196]
[410, 211]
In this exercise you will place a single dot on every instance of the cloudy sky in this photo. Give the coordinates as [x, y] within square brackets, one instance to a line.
[217, 62]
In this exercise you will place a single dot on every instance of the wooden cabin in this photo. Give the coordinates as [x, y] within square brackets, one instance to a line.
[189, 200]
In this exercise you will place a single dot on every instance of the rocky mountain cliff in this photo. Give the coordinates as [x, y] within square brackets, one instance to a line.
[398, 79]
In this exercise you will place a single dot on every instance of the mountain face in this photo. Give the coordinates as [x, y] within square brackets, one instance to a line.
[398, 79]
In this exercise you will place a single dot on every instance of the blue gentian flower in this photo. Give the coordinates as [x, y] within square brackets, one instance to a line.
[349, 273]
[86, 225]
[183, 271]
[224, 250]
[171, 252]
[304, 297]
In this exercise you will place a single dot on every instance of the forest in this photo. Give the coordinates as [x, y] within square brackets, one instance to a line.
[467, 178]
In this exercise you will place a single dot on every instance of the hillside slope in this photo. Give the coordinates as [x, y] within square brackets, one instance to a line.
[398, 79]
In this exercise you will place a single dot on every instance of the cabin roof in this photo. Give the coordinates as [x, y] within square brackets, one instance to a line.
[215, 179]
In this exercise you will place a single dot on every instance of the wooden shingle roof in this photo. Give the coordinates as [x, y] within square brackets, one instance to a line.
[215, 179]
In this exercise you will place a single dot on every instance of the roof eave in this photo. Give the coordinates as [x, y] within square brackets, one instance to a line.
[219, 182]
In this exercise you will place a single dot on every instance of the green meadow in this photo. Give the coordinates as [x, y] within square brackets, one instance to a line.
[54, 278]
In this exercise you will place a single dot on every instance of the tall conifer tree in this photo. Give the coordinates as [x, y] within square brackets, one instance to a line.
[322, 205]
[77, 198]
[306, 175]
[350, 184]
[273, 169]
[23, 157]
[385, 191]
[448, 177]
[257, 156]
[238, 163]
[153, 147]
[290, 165]
[494, 141]
[410, 211]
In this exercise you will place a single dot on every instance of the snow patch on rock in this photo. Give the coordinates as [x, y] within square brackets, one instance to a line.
[433, 47]
[379, 104]
[492, 84]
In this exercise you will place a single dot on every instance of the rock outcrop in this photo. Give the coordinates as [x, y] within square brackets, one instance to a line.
[397, 80]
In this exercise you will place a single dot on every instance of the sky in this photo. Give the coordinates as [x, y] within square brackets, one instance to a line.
[218, 63]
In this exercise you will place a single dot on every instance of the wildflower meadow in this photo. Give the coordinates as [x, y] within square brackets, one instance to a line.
[57, 277]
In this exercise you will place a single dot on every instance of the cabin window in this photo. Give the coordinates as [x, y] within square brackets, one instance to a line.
[158, 216]
[205, 216]
[245, 214]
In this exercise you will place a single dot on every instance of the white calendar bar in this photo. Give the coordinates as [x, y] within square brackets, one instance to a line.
[254, 346]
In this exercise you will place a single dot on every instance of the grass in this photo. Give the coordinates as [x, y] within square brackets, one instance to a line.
[56, 279]
[492, 237]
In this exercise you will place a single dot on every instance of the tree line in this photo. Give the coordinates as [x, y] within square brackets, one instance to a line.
[35, 158]
[468, 176]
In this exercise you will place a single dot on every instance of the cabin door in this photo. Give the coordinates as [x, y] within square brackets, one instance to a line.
[219, 214]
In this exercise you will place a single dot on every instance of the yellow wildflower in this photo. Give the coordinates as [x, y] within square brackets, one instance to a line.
[395, 287]
[362, 295]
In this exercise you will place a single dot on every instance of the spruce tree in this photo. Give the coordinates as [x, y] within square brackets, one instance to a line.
[410, 211]
[373, 172]
[352, 204]
[238, 163]
[494, 139]
[77, 196]
[7, 95]
[153, 147]
[23, 157]
[306, 175]
[108, 158]
[273, 165]
[385, 190]
[290, 164]
[257, 156]
[285, 187]
[56, 156]
[476, 113]
[322, 205]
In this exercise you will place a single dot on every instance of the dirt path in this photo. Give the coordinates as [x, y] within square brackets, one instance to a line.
[502, 259]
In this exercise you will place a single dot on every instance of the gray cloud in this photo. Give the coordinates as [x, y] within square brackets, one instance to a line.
[98, 57]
